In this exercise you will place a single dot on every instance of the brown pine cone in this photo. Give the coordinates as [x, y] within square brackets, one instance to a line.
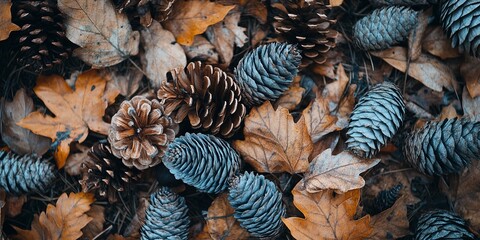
[208, 96]
[304, 22]
[140, 132]
[158, 9]
[105, 172]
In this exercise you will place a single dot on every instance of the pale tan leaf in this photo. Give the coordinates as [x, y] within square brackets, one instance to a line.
[190, 18]
[471, 106]
[73, 165]
[448, 112]
[437, 43]
[14, 205]
[201, 50]
[221, 224]
[318, 119]
[327, 216]
[290, 98]
[338, 172]
[426, 69]
[335, 3]
[274, 142]
[392, 223]
[162, 53]
[6, 25]
[104, 35]
[94, 227]
[470, 71]
[21, 140]
[61, 222]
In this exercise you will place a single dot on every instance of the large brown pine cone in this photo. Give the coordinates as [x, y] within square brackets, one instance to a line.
[140, 132]
[208, 96]
[42, 41]
[305, 23]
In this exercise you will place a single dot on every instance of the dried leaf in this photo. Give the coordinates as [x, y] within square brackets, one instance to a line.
[75, 111]
[14, 205]
[471, 73]
[124, 84]
[3, 195]
[104, 35]
[274, 142]
[201, 50]
[437, 43]
[448, 112]
[220, 221]
[340, 172]
[471, 106]
[392, 223]
[426, 69]
[6, 25]
[318, 119]
[21, 140]
[73, 165]
[254, 8]
[416, 35]
[190, 18]
[327, 216]
[133, 230]
[61, 222]
[224, 35]
[94, 227]
[335, 3]
[162, 53]
[116, 237]
[290, 98]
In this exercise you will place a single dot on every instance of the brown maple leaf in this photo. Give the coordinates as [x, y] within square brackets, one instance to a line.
[75, 111]
[340, 172]
[6, 25]
[274, 142]
[327, 215]
[190, 18]
[318, 119]
[392, 223]
[61, 222]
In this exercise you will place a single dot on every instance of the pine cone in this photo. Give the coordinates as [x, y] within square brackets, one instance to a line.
[207, 95]
[25, 174]
[445, 147]
[441, 224]
[384, 27]
[385, 199]
[106, 172]
[460, 20]
[258, 205]
[304, 22]
[140, 132]
[203, 161]
[42, 41]
[159, 9]
[266, 72]
[401, 2]
[375, 119]
[166, 217]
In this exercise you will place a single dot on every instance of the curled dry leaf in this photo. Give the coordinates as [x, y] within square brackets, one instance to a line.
[201, 50]
[254, 8]
[75, 111]
[104, 35]
[125, 84]
[392, 223]
[189, 18]
[6, 25]
[471, 73]
[318, 119]
[21, 140]
[61, 222]
[340, 172]
[224, 35]
[94, 227]
[437, 43]
[327, 216]
[133, 230]
[471, 106]
[220, 221]
[426, 69]
[290, 98]
[73, 165]
[274, 142]
[161, 55]
[14, 205]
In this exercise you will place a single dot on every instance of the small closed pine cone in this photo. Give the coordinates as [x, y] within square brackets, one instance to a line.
[166, 217]
[304, 22]
[266, 72]
[25, 174]
[441, 224]
[158, 9]
[203, 161]
[385, 199]
[258, 205]
[460, 19]
[105, 172]
[384, 27]
[41, 39]
[375, 119]
[208, 96]
[401, 2]
[444, 147]
[140, 132]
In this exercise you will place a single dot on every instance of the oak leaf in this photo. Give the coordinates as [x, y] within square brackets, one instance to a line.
[162, 53]
[318, 119]
[61, 222]
[21, 140]
[327, 215]
[104, 35]
[274, 142]
[428, 70]
[75, 111]
[6, 25]
[189, 18]
[220, 221]
[392, 223]
[340, 172]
